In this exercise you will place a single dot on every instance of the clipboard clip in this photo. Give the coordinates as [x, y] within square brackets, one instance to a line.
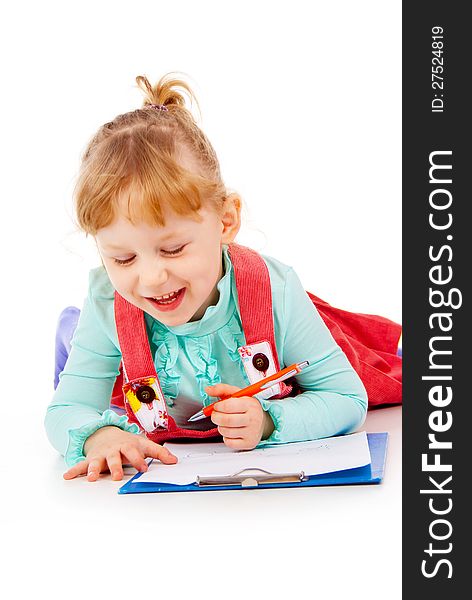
[250, 478]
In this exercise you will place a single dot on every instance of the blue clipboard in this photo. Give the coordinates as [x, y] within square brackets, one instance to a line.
[368, 474]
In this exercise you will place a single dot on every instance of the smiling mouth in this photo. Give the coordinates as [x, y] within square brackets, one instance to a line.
[167, 299]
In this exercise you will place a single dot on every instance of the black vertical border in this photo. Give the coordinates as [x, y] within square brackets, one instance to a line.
[424, 132]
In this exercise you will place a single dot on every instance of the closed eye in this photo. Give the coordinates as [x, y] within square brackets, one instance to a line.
[123, 262]
[173, 252]
[128, 261]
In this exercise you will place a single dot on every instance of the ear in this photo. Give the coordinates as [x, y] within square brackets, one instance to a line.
[231, 218]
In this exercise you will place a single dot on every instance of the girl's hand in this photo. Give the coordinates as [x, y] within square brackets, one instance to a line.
[241, 421]
[108, 446]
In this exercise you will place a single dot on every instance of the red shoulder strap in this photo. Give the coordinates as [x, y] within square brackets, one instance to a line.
[134, 343]
[255, 300]
[251, 273]
[137, 362]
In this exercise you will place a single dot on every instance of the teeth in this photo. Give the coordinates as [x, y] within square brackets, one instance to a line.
[166, 296]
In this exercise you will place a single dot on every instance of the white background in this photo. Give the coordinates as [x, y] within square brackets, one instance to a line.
[302, 102]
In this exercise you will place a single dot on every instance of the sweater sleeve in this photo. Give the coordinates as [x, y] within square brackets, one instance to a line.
[82, 397]
[333, 400]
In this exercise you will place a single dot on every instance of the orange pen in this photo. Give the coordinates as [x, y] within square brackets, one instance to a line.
[252, 390]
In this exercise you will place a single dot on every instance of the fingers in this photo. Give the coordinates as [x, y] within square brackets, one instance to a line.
[233, 433]
[239, 421]
[233, 405]
[95, 467]
[221, 389]
[135, 457]
[115, 466]
[240, 443]
[78, 469]
[135, 452]
[230, 419]
[156, 451]
[232, 425]
[91, 468]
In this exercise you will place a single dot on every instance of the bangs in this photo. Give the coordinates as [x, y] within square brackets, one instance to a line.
[134, 176]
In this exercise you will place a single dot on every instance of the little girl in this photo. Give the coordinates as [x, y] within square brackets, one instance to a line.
[175, 312]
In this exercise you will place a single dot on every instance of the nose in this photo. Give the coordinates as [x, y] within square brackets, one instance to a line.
[153, 277]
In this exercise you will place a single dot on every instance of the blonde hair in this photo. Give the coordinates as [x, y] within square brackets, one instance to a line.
[138, 153]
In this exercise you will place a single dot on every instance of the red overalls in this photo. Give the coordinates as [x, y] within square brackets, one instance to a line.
[369, 342]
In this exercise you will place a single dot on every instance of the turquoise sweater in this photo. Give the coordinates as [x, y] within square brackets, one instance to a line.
[196, 354]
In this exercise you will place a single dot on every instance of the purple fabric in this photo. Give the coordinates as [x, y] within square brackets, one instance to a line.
[66, 325]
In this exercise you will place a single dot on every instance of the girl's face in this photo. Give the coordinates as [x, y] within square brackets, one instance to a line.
[146, 262]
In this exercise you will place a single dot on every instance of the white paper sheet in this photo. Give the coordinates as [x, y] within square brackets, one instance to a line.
[215, 459]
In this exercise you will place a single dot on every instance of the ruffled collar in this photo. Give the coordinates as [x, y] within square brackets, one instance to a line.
[215, 317]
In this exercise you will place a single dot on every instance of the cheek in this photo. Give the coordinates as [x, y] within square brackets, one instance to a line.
[203, 271]
[193, 275]
[119, 279]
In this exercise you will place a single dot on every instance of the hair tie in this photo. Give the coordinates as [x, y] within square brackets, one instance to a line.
[158, 107]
